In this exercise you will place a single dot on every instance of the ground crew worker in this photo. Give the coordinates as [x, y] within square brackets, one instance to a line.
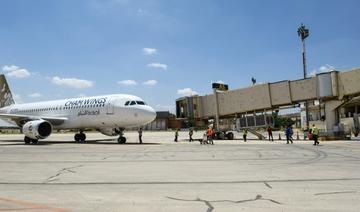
[269, 130]
[140, 135]
[191, 132]
[315, 133]
[204, 140]
[289, 133]
[176, 135]
[245, 134]
[209, 134]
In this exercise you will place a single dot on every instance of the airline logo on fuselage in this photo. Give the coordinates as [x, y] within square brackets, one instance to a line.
[81, 102]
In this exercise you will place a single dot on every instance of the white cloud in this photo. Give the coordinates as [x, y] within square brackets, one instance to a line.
[186, 92]
[20, 73]
[15, 71]
[158, 66]
[322, 69]
[313, 73]
[150, 82]
[220, 81]
[127, 82]
[10, 68]
[149, 51]
[326, 68]
[72, 82]
[35, 95]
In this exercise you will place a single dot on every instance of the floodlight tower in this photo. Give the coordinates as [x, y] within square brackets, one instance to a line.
[304, 33]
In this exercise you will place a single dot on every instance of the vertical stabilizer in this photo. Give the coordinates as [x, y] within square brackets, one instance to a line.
[6, 98]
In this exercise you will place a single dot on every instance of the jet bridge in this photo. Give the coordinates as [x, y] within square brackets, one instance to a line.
[331, 88]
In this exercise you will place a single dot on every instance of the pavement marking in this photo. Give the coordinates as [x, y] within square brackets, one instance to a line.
[182, 182]
[28, 206]
[336, 192]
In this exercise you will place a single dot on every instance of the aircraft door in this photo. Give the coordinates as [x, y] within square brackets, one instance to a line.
[110, 107]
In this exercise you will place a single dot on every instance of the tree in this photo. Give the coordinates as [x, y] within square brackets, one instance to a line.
[281, 121]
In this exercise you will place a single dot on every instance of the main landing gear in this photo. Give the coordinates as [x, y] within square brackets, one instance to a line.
[80, 137]
[121, 139]
[28, 140]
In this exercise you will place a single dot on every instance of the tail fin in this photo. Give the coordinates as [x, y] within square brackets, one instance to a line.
[6, 98]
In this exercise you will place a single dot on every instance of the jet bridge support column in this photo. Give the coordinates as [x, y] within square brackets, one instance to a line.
[217, 109]
[331, 115]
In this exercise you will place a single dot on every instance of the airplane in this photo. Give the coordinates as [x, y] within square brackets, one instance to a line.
[108, 114]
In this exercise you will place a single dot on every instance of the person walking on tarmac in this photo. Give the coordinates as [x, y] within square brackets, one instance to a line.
[191, 132]
[315, 133]
[140, 135]
[269, 130]
[245, 134]
[176, 135]
[288, 133]
[209, 134]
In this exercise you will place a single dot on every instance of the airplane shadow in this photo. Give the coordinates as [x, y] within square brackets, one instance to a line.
[97, 142]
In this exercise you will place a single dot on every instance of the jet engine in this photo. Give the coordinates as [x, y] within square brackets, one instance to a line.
[38, 129]
[109, 131]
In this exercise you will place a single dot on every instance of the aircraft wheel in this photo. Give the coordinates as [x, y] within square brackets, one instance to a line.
[27, 140]
[230, 136]
[82, 137]
[77, 137]
[121, 140]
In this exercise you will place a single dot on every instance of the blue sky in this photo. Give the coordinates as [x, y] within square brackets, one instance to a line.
[163, 49]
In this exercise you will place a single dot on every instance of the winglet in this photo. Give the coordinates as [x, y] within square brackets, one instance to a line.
[6, 97]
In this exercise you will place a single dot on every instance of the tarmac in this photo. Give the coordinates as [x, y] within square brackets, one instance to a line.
[161, 175]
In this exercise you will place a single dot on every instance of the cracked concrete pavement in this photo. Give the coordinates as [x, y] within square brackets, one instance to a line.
[160, 175]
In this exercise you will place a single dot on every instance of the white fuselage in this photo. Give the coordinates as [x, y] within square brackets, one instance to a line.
[108, 111]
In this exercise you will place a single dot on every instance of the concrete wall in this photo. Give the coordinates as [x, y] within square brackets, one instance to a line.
[303, 89]
[207, 105]
[349, 83]
[245, 99]
[280, 93]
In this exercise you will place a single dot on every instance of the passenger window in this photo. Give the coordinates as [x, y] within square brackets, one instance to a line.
[133, 103]
[127, 103]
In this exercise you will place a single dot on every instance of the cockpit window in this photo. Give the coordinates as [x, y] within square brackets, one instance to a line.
[133, 103]
[127, 103]
[140, 102]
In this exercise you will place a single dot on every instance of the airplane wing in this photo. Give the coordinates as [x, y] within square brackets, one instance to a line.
[24, 118]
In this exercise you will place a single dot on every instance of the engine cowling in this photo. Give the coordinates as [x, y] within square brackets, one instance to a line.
[109, 131]
[38, 129]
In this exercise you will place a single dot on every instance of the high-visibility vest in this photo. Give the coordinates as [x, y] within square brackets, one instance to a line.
[209, 132]
[315, 131]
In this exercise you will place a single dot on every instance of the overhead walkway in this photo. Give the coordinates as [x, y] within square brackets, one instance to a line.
[332, 88]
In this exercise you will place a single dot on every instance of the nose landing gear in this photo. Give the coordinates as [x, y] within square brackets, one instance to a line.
[121, 139]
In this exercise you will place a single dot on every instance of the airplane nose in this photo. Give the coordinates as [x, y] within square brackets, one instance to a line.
[150, 114]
